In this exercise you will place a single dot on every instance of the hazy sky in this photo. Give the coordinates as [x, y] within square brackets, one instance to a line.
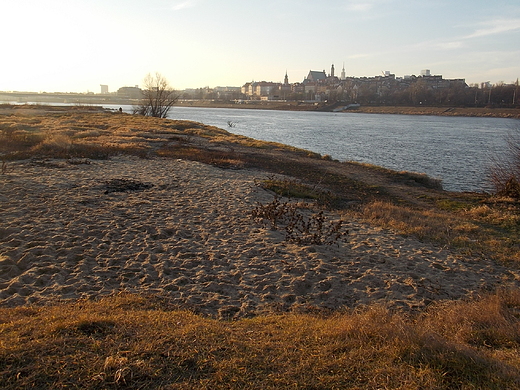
[76, 45]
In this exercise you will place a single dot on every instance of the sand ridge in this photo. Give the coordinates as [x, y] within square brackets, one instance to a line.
[188, 236]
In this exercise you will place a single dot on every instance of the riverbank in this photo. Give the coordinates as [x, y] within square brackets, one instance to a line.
[302, 106]
[128, 244]
[513, 113]
[452, 111]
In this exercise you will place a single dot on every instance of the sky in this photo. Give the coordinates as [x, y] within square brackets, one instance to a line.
[76, 45]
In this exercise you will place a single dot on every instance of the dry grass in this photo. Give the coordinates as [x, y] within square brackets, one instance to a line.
[476, 228]
[134, 342]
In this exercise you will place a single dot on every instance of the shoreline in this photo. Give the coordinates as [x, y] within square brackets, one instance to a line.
[489, 112]
[513, 113]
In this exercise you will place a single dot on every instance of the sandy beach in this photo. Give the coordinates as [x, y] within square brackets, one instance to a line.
[186, 233]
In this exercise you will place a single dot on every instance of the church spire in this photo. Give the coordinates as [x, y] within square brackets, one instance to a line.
[286, 79]
[343, 76]
[332, 71]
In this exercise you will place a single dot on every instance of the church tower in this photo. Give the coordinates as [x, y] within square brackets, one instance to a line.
[343, 76]
[286, 79]
[332, 71]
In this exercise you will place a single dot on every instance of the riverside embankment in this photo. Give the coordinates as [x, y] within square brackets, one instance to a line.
[400, 110]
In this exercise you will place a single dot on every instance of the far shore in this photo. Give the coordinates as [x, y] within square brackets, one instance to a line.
[491, 112]
[400, 110]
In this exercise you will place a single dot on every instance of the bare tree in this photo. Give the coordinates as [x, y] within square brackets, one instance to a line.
[158, 97]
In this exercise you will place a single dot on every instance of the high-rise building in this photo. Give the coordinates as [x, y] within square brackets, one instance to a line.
[343, 76]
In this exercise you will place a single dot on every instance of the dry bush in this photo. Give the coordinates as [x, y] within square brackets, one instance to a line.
[300, 228]
[505, 170]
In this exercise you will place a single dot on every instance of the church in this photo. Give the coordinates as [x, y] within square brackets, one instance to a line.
[322, 77]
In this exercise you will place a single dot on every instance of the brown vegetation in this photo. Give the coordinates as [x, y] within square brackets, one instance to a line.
[134, 343]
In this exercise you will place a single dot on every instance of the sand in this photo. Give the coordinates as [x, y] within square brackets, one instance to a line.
[185, 232]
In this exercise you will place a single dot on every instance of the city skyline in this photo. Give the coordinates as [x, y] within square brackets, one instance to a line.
[75, 45]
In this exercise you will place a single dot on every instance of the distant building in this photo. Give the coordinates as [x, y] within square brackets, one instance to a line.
[245, 89]
[315, 76]
[130, 92]
[264, 90]
[384, 88]
[104, 89]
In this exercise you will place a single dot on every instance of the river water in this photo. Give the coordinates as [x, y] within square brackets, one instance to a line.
[457, 150]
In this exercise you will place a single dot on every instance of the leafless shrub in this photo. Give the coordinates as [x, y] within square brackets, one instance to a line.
[313, 230]
[299, 228]
[505, 170]
[274, 213]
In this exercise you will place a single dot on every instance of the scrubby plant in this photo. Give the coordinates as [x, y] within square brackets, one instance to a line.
[299, 227]
[314, 230]
[505, 169]
[274, 213]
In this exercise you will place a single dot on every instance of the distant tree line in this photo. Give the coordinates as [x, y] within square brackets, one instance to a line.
[419, 93]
